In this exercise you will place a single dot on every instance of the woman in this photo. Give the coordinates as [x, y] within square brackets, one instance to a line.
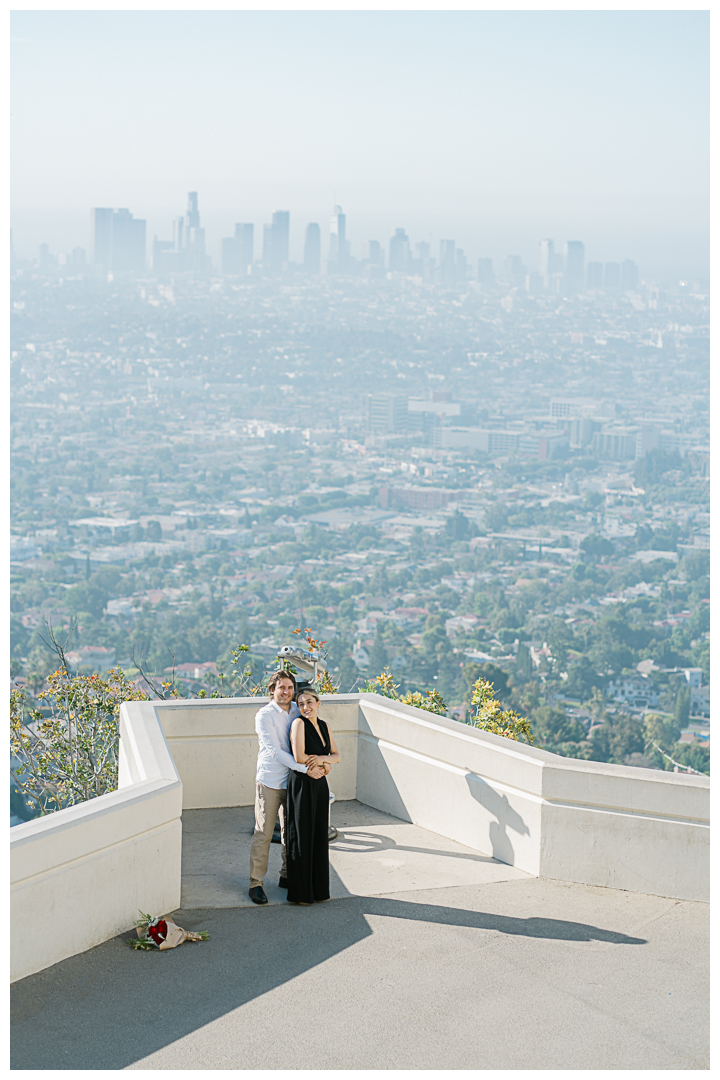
[308, 801]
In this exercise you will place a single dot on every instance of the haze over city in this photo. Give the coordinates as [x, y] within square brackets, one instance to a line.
[494, 128]
[391, 324]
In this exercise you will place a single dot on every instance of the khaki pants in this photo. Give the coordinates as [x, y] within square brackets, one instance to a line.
[269, 802]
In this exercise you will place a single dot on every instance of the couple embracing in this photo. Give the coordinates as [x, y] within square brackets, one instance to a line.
[295, 754]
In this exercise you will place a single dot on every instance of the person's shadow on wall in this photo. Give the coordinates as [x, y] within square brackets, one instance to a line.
[506, 817]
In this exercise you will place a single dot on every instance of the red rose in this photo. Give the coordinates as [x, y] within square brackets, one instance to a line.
[158, 931]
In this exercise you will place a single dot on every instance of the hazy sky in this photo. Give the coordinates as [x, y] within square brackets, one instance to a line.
[492, 128]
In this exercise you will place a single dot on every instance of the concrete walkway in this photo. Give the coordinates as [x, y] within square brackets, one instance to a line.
[375, 853]
[432, 957]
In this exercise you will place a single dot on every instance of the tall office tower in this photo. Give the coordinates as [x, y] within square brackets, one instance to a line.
[237, 251]
[163, 255]
[373, 253]
[338, 253]
[128, 242]
[422, 252]
[446, 263]
[179, 234]
[594, 275]
[515, 270]
[229, 261]
[399, 253]
[186, 251]
[281, 240]
[557, 262]
[311, 255]
[245, 239]
[485, 273]
[102, 237]
[629, 276]
[461, 274]
[547, 250]
[194, 237]
[46, 261]
[193, 214]
[574, 266]
[387, 413]
[267, 249]
[612, 275]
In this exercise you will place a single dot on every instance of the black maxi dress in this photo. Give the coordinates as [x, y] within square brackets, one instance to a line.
[306, 826]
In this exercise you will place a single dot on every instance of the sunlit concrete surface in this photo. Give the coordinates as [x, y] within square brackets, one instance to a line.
[428, 958]
[375, 853]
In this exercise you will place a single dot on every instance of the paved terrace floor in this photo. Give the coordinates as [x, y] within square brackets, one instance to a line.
[429, 956]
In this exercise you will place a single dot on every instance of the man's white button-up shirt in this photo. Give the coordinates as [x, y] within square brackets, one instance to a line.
[272, 725]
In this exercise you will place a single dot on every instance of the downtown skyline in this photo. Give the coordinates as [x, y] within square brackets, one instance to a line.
[490, 127]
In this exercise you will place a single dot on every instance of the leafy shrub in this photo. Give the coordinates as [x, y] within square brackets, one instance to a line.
[70, 755]
[384, 684]
[490, 716]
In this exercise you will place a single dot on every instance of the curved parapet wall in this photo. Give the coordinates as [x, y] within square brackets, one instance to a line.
[214, 746]
[582, 821]
[80, 875]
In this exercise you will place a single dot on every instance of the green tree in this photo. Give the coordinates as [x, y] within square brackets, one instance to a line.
[458, 527]
[660, 731]
[378, 653]
[72, 754]
[596, 545]
[682, 706]
[553, 726]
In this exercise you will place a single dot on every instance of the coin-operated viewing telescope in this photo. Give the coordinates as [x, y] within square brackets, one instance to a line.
[309, 664]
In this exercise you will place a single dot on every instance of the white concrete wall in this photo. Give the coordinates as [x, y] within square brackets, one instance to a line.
[583, 821]
[79, 876]
[214, 746]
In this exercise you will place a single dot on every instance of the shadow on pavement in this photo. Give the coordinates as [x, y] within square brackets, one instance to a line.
[110, 1007]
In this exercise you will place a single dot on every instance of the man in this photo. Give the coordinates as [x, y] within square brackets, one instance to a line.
[275, 759]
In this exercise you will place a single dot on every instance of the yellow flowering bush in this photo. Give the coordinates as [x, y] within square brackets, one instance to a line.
[70, 755]
[384, 684]
[490, 716]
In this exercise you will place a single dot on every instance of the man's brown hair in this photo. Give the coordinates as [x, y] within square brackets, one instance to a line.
[277, 676]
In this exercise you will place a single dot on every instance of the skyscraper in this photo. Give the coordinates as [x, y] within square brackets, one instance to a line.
[268, 253]
[102, 237]
[515, 270]
[629, 276]
[485, 273]
[128, 242]
[460, 267]
[186, 252]
[237, 251]
[281, 240]
[338, 253]
[118, 241]
[547, 251]
[399, 253]
[574, 266]
[311, 255]
[612, 275]
[446, 265]
[194, 237]
[193, 214]
[373, 253]
[594, 275]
